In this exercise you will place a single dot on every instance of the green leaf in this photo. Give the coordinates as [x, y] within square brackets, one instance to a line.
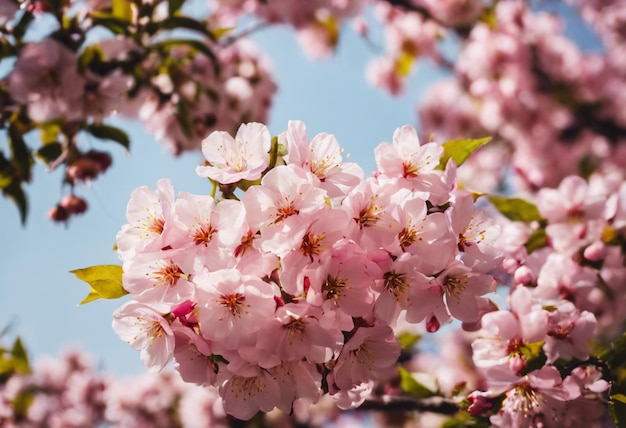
[218, 33]
[538, 239]
[109, 133]
[20, 357]
[21, 157]
[105, 282]
[616, 354]
[15, 192]
[177, 22]
[109, 21]
[460, 150]
[50, 152]
[174, 6]
[19, 30]
[516, 209]
[21, 403]
[197, 45]
[122, 10]
[408, 340]
[534, 356]
[411, 386]
[617, 409]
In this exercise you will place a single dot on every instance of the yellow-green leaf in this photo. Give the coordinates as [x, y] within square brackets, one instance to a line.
[617, 409]
[122, 10]
[411, 386]
[404, 64]
[460, 150]
[20, 357]
[408, 340]
[534, 356]
[105, 282]
[516, 209]
[218, 33]
[537, 239]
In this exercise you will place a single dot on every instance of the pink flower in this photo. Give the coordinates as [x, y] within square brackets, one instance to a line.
[476, 233]
[344, 280]
[244, 157]
[401, 288]
[322, 156]
[364, 356]
[162, 277]
[461, 289]
[149, 214]
[504, 334]
[537, 399]
[327, 228]
[232, 305]
[296, 333]
[244, 396]
[147, 331]
[207, 228]
[570, 331]
[406, 157]
[46, 79]
[282, 207]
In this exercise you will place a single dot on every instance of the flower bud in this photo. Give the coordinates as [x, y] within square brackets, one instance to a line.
[58, 214]
[517, 364]
[479, 403]
[595, 252]
[73, 204]
[82, 169]
[523, 275]
[433, 324]
[102, 158]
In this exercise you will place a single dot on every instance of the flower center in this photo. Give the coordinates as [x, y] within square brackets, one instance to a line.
[333, 288]
[233, 303]
[455, 285]
[369, 215]
[312, 244]
[395, 282]
[169, 274]
[203, 235]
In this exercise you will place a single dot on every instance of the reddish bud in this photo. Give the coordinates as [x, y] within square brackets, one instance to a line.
[58, 214]
[73, 204]
[82, 170]
[102, 158]
[479, 404]
[183, 308]
[432, 324]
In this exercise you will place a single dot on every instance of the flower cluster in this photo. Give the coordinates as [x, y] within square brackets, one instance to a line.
[520, 79]
[292, 289]
[99, 60]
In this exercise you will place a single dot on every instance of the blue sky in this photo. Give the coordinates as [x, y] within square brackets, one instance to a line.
[39, 296]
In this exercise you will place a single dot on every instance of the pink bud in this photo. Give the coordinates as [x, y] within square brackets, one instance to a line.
[523, 276]
[360, 26]
[480, 404]
[595, 252]
[433, 324]
[517, 364]
[509, 264]
[183, 308]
